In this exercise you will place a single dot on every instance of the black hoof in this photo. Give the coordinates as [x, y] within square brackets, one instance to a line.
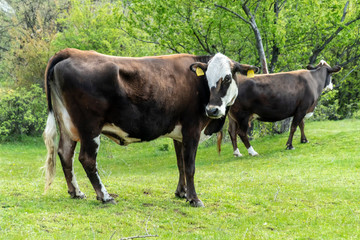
[304, 141]
[110, 201]
[290, 147]
[196, 203]
[107, 201]
[77, 196]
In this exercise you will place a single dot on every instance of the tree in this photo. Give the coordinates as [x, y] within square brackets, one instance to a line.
[321, 45]
[288, 33]
[98, 25]
[252, 22]
[33, 27]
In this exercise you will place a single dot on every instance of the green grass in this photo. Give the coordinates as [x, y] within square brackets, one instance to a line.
[312, 192]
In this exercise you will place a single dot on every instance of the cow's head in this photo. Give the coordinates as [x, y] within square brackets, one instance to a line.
[329, 70]
[220, 73]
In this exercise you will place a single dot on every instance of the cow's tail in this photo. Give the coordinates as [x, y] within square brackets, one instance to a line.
[50, 132]
[49, 139]
[219, 139]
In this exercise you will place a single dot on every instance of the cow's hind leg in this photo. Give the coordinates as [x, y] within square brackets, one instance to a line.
[181, 188]
[66, 153]
[302, 129]
[87, 157]
[233, 129]
[289, 145]
[243, 127]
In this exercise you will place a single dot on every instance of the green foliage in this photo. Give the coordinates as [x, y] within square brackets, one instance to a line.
[90, 25]
[31, 32]
[327, 107]
[294, 33]
[311, 192]
[28, 60]
[188, 26]
[22, 111]
[349, 95]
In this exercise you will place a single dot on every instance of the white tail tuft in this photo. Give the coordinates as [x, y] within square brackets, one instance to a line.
[49, 139]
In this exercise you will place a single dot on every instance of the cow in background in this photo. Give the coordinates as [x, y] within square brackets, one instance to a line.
[133, 100]
[274, 97]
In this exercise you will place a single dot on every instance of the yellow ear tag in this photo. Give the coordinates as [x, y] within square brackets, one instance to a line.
[250, 74]
[199, 72]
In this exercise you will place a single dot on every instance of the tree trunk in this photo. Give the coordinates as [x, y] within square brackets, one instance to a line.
[259, 44]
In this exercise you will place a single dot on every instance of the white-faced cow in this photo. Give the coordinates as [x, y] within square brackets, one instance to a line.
[274, 97]
[129, 100]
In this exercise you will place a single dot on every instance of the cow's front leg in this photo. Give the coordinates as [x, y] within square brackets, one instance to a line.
[87, 157]
[190, 144]
[181, 188]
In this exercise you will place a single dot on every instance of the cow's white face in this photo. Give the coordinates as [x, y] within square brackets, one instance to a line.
[220, 72]
[328, 82]
[329, 86]
[223, 88]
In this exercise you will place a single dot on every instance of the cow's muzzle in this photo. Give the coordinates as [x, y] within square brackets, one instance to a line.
[213, 111]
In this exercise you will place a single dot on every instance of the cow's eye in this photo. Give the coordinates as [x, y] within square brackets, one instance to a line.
[227, 79]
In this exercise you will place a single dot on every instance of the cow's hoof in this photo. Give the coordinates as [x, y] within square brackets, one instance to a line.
[290, 148]
[252, 152]
[180, 194]
[237, 153]
[107, 201]
[110, 201]
[78, 195]
[196, 203]
[304, 141]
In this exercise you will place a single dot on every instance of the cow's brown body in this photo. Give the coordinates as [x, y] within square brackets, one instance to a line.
[274, 97]
[134, 100]
[129, 100]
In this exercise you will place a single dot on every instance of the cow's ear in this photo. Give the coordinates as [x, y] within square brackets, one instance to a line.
[199, 68]
[243, 68]
[334, 69]
[310, 67]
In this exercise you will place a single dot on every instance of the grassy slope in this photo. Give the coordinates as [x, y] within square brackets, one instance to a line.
[309, 193]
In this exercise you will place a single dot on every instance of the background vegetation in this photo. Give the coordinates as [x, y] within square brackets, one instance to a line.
[278, 35]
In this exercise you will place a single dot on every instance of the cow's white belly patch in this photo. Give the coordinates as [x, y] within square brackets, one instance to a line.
[110, 129]
[175, 134]
[309, 115]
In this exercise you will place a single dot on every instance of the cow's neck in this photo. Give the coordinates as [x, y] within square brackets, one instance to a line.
[320, 76]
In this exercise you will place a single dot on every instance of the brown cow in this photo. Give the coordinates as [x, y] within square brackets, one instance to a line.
[129, 100]
[274, 97]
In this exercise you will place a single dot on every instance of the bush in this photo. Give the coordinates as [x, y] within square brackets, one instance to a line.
[327, 107]
[22, 112]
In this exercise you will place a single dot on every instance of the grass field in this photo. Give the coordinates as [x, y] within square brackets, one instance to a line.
[312, 192]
